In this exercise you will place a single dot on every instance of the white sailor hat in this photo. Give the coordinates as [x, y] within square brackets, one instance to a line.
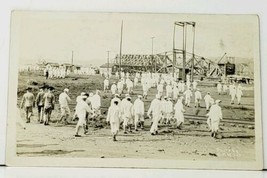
[218, 101]
[66, 90]
[83, 93]
[84, 96]
[140, 96]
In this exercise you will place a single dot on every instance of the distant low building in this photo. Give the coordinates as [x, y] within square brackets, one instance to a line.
[52, 64]
[105, 68]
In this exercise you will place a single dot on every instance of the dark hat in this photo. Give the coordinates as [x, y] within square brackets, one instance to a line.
[51, 88]
[29, 88]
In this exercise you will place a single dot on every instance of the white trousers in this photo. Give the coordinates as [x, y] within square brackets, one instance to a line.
[155, 124]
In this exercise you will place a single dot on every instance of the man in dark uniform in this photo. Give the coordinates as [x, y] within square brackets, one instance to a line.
[40, 104]
[49, 104]
[28, 103]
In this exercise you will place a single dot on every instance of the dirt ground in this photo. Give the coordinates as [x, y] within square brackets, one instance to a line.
[192, 142]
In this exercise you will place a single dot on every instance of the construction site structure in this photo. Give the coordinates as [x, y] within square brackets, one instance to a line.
[183, 61]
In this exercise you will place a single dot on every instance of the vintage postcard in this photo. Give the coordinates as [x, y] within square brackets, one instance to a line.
[136, 90]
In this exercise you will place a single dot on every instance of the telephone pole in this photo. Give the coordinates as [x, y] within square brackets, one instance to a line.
[152, 52]
[108, 63]
[121, 48]
[71, 57]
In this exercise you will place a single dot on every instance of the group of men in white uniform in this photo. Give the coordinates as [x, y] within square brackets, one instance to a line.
[131, 113]
[126, 112]
[234, 91]
[56, 72]
[161, 110]
[162, 107]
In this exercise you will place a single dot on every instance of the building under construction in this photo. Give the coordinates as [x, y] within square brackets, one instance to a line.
[177, 61]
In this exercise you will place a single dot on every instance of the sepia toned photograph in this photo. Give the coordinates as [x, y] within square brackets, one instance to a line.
[134, 90]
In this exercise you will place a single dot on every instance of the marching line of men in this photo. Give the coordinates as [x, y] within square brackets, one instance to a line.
[173, 88]
[56, 72]
[45, 102]
[173, 92]
[162, 109]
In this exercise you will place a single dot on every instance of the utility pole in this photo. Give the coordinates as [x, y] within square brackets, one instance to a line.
[174, 53]
[71, 57]
[184, 50]
[193, 52]
[152, 57]
[108, 63]
[121, 48]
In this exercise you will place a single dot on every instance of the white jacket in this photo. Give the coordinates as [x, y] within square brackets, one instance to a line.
[215, 113]
[81, 109]
[155, 107]
[113, 114]
[126, 109]
[96, 101]
[139, 107]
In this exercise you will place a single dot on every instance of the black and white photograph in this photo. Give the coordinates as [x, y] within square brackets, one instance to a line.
[142, 90]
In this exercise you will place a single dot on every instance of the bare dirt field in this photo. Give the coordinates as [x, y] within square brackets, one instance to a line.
[192, 142]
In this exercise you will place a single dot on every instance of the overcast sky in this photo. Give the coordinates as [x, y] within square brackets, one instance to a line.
[52, 36]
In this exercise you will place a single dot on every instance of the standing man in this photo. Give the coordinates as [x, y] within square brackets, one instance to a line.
[139, 111]
[233, 94]
[113, 118]
[225, 88]
[163, 109]
[179, 112]
[207, 100]
[120, 86]
[81, 109]
[194, 85]
[106, 84]
[127, 114]
[175, 92]
[135, 81]
[198, 98]
[40, 104]
[49, 104]
[145, 89]
[219, 88]
[156, 110]
[78, 99]
[64, 100]
[113, 88]
[169, 110]
[28, 103]
[46, 73]
[160, 89]
[96, 103]
[169, 91]
[215, 116]
[231, 86]
[129, 84]
[188, 94]
[239, 94]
